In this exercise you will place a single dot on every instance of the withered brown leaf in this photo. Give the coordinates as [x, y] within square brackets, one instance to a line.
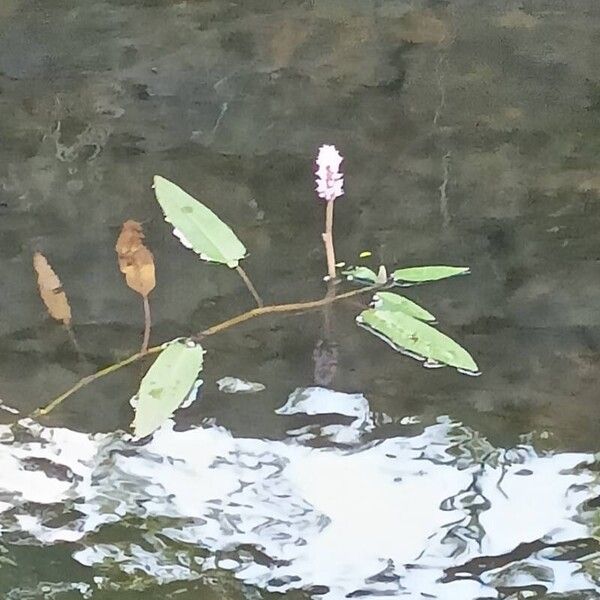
[135, 260]
[51, 290]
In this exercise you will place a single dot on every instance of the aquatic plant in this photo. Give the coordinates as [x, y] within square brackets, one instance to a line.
[330, 185]
[398, 320]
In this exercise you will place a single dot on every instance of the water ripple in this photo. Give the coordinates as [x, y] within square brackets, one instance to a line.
[442, 513]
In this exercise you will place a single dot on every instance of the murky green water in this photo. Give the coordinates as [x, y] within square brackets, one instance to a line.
[471, 134]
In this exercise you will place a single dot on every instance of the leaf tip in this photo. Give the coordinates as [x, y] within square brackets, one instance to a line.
[471, 373]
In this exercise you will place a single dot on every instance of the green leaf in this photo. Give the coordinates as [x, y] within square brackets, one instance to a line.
[417, 339]
[393, 302]
[361, 275]
[197, 226]
[412, 275]
[166, 385]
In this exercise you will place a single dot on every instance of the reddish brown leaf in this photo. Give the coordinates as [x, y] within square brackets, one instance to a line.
[135, 260]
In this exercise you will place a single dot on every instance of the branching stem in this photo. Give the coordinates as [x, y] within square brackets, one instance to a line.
[237, 320]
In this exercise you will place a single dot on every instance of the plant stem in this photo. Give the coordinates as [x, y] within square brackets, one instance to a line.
[331, 284]
[279, 308]
[90, 378]
[250, 286]
[251, 314]
[328, 239]
[74, 341]
[147, 325]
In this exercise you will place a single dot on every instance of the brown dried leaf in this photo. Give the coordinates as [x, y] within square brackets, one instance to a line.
[51, 290]
[135, 260]
[130, 239]
[139, 273]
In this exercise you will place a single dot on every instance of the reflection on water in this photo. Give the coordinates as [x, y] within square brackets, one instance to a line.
[443, 514]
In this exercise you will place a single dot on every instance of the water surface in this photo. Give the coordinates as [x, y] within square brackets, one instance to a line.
[470, 132]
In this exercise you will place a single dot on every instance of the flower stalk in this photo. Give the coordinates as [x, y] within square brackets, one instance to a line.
[330, 185]
[328, 240]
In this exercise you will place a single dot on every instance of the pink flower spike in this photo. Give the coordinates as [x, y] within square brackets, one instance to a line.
[329, 180]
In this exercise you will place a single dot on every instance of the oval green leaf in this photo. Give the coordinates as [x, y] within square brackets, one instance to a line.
[197, 226]
[360, 275]
[417, 339]
[393, 302]
[166, 385]
[412, 275]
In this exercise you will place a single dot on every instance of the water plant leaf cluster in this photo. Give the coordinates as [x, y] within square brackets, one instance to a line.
[411, 336]
[405, 325]
[398, 320]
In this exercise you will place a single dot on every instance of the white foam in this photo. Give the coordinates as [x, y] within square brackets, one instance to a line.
[406, 507]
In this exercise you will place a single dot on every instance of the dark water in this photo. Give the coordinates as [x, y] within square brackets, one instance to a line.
[470, 133]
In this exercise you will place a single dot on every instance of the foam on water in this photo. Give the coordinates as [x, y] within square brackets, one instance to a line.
[395, 517]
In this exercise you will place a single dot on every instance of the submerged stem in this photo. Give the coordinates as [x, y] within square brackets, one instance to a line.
[147, 325]
[250, 286]
[251, 314]
[328, 239]
[331, 285]
[74, 341]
